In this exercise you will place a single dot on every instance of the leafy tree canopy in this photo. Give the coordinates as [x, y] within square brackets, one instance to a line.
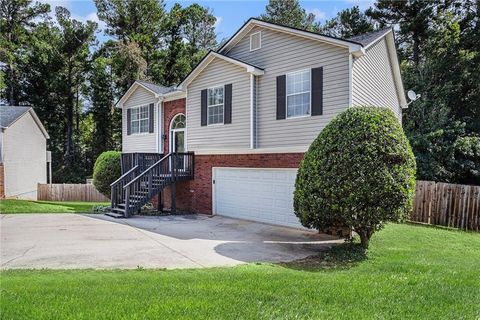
[289, 13]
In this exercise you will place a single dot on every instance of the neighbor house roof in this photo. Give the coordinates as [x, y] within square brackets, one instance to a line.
[10, 114]
[369, 38]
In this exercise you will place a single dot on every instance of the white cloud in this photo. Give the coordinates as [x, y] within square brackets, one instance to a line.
[319, 14]
[217, 22]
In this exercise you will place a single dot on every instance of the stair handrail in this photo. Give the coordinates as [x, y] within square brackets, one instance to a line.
[116, 192]
[146, 171]
[126, 174]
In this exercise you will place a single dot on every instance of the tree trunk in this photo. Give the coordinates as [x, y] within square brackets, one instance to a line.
[69, 122]
[365, 236]
[11, 83]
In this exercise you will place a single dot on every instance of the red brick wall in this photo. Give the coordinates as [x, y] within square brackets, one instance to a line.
[196, 195]
[171, 109]
[2, 182]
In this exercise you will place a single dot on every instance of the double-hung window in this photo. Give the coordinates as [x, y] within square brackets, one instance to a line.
[215, 105]
[139, 121]
[298, 94]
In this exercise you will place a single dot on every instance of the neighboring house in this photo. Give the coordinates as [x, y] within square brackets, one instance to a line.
[248, 112]
[23, 155]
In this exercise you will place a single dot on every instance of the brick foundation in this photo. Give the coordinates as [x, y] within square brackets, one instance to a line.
[196, 195]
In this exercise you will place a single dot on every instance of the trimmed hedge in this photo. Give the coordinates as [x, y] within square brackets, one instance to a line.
[106, 170]
[359, 173]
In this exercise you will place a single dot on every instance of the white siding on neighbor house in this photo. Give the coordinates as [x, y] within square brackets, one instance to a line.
[143, 142]
[219, 136]
[282, 53]
[25, 158]
[372, 80]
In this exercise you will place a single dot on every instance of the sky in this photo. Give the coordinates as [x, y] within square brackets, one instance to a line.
[230, 14]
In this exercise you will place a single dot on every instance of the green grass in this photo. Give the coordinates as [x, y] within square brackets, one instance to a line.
[26, 206]
[412, 272]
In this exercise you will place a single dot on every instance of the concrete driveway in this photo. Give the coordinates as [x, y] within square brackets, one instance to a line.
[63, 241]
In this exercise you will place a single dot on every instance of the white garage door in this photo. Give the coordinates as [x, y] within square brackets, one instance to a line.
[264, 195]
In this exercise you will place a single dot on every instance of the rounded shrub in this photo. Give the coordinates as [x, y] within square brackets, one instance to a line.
[106, 170]
[358, 173]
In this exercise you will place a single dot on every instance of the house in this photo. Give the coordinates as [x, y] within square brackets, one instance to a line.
[23, 155]
[234, 131]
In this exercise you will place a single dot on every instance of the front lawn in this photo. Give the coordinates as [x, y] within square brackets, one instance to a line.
[413, 272]
[26, 206]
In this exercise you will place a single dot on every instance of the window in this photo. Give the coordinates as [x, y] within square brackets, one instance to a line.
[139, 120]
[178, 122]
[298, 94]
[215, 105]
[255, 41]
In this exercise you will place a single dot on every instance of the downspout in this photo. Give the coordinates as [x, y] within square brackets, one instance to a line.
[252, 112]
[158, 136]
[350, 80]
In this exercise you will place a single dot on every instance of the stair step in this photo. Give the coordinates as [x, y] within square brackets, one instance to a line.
[114, 215]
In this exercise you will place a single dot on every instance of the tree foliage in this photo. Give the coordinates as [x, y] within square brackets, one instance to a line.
[359, 173]
[289, 13]
[348, 23]
[17, 18]
[57, 66]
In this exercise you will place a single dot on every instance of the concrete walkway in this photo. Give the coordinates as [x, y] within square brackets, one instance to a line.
[65, 241]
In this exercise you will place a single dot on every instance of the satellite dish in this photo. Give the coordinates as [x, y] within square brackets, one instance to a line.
[412, 95]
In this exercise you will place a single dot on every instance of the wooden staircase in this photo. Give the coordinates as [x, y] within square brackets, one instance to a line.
[139, 184]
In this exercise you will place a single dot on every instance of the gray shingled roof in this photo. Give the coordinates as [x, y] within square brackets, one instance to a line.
[367, 38]
[8, 114]
[155, 87]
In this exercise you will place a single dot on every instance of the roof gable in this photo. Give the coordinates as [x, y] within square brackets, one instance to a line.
[11, 114]
[354, 47]
[158, 91]
[250, 68]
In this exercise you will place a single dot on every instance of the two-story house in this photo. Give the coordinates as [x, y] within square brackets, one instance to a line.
[248, 112]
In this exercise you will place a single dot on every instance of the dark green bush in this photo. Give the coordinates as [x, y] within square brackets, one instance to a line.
[106, 170]
[359, 173]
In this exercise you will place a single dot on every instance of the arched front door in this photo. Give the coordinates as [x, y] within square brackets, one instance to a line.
[177, 134]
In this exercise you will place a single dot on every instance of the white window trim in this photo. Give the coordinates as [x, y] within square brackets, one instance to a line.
[214, 105]
[294, 94]
[171, 131]
[148, 118]
[260, 46]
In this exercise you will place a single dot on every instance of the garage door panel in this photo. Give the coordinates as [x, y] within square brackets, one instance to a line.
[264, 195]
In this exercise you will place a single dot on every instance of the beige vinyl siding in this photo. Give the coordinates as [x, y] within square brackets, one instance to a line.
[219, 136]
[143, 142]
[282, 53]
[373, 82]
[25, 158]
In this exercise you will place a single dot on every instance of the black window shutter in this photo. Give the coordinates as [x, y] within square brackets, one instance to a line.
[129, 122]
[227, 117]
[204, 107]
[150, 118]
[281, 97]
[317, 91]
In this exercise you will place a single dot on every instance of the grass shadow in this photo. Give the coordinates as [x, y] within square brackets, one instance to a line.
[343, 256]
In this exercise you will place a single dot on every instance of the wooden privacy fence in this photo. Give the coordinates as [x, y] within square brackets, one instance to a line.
[70, 192]
[446, 204]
